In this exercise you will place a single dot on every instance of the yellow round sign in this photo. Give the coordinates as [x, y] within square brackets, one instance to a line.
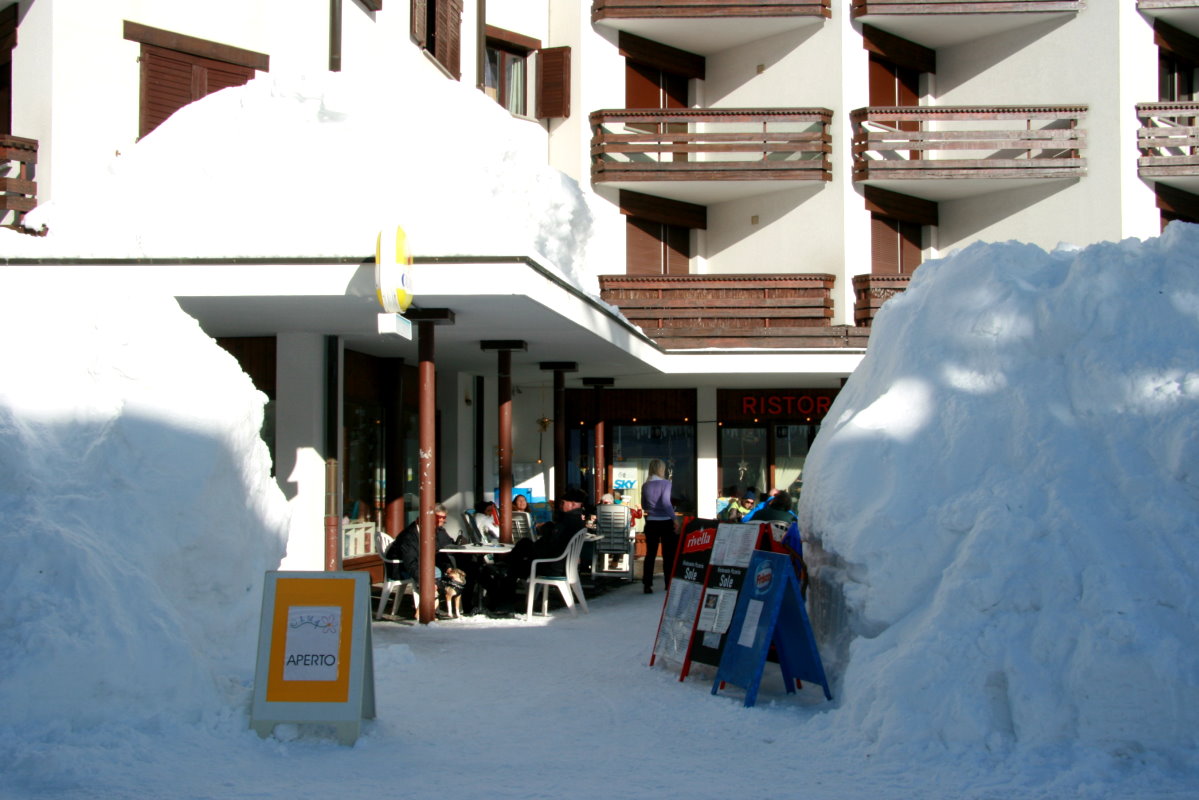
[393, 270]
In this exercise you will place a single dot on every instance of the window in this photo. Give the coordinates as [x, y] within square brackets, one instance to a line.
[897, 223]
[437, 28]
[8, 40]
[177, 70]
[505, 71]
[895, 245]
[1176, 78]
[658, 233]
[657, 248]
[505, 78]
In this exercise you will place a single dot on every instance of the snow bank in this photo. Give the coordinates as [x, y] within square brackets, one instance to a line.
[317, 166]
[1002, 503]
[138, 511]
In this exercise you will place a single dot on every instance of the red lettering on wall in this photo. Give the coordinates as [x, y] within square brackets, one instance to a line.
[749, 405]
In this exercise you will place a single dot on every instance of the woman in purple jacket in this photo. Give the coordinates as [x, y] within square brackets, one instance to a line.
[659, 524]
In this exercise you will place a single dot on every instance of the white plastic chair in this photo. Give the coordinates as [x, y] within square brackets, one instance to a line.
[569, 584]
[400, 586]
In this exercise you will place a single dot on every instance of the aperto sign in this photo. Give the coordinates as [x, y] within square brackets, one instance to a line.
[774, 405]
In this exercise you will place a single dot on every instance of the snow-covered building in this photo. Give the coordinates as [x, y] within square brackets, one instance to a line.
[720, 195]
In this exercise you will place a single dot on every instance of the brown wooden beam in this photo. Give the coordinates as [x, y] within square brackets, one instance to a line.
[899, 50]
[664, 57]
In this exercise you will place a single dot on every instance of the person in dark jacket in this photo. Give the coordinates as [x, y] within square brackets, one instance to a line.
[406, 549]
[500, 578]
[777, 509]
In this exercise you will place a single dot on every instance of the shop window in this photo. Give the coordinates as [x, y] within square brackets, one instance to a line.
[764, 457]
[630, 449]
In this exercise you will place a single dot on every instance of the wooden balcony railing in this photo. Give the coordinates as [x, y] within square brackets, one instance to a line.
[1168, 139]
[1166, 5]
[728, 311]
[861, 8]
[659, 9]
[711, 144]
[946, 142]
[871, 291]
[18, 191]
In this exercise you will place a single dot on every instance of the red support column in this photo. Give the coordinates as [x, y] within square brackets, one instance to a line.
[427, 442]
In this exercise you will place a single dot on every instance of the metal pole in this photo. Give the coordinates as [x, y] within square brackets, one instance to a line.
[559, 436]
[332, 517]
[505, 424]
[428, 470]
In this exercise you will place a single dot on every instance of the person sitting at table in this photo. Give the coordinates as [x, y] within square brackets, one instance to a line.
[499, 578]
[487, 521]
[406, 549]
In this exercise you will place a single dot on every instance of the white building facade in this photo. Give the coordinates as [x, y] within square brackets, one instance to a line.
[765, 175]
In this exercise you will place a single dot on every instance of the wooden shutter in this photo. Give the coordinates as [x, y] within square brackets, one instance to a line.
[447, 35]
[166, 86]
[8, 41]
[171, 80]
[553, 82]
[420, 22]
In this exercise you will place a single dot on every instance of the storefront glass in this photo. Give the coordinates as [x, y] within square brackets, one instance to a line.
[630, 448]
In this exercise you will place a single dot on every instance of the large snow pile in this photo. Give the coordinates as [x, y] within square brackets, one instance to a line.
[316, 166]
[138, 511]
[1002, 503]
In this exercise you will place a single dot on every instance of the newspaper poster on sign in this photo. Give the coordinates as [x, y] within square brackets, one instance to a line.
[312, 643]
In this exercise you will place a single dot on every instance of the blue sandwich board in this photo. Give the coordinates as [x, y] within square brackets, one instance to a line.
[770, 610]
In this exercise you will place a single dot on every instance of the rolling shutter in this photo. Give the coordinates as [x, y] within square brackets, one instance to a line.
[654, 248]
[894, 246]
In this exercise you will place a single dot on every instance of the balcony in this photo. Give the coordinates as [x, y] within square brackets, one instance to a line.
[705, 27]
[871, 291]
[1182, 14]
[18, 191]
[944, 23]
[948, 152]
[732, 311]
[710, 155]
[1168, 141]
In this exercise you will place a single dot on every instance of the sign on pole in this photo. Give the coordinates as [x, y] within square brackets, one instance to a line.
[315, 660]
[770, 611]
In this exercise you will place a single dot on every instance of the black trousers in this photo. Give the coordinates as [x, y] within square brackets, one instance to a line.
[659, 531]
